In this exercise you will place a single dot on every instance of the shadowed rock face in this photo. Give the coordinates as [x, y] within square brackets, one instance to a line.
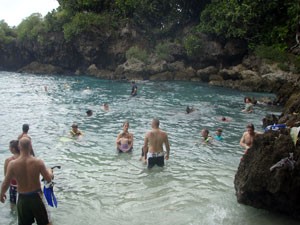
[277, 190]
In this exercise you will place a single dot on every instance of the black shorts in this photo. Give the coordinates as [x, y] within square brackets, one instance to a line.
[159, 161]
[13, 194]
[30, 206]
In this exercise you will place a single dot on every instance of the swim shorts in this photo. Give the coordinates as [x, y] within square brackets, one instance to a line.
[31, 206]
[155, 159]
[13, 194]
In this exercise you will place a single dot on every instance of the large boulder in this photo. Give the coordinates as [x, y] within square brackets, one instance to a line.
[275, 189]
[40, 68]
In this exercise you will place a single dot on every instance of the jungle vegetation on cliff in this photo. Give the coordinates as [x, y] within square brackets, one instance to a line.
[260, 23]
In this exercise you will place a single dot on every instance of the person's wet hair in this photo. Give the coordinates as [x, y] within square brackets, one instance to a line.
[89, 112]
[126, 122]
[25, 128]
[250, 125]
[15, 145]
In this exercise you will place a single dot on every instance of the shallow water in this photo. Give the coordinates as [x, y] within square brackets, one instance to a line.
[96, 185]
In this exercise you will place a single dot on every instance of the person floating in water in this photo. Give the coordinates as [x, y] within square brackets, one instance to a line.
[189, 109]
[75, 132]
[27, 169]
[153, 145]
[14, 149]
[248, 105]
[225, 119]
[89, 112]
[205, 135]
[133, 89]
[125, 139]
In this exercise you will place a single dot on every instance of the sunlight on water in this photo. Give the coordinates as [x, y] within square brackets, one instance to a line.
[96, 185]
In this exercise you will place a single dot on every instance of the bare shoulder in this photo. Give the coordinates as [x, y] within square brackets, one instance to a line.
[8, 159]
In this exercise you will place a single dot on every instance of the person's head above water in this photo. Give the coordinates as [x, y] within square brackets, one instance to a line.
[125, 126]
[25, 128]
[89, 112]
[219, 131]
[204, 133]
[250, 128]
[74, 126]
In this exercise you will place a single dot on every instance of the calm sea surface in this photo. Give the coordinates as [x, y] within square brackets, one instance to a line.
[96, 185]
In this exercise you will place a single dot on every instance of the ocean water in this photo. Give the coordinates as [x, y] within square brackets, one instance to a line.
[96, 185]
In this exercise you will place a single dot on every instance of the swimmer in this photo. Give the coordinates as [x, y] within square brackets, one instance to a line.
[248, 105]
[125, 139]
[75, 132]
[105, 107]
[218, 135]
[205, 135]
[189, 109]
[89, 112]
[225, 119]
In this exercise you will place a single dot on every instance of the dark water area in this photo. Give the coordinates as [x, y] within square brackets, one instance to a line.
[96, 185]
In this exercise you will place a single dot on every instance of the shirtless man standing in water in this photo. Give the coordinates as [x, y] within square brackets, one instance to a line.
[26, 169]
[153, 145]
[248, 136]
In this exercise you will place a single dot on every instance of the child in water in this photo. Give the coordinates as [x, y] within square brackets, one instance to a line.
[218, 135]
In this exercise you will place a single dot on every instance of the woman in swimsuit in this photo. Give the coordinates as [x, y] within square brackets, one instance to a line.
[125, 139]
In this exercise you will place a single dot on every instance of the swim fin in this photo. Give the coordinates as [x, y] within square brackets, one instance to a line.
[49, 194]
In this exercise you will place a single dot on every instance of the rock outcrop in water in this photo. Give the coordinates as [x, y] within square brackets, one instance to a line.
[276, 188]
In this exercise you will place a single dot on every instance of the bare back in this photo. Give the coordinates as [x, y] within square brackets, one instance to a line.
[26, 170]
[156, 138]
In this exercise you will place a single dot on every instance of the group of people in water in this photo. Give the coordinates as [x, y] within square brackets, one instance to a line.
[22, 170]
[22, 177]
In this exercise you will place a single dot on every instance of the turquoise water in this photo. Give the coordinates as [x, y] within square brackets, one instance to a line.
[96, 185]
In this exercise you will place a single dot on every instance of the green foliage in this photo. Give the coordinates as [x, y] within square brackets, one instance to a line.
[271, 52]
[137, 53]
[85, 22]
[193, 45]
[7, 34]
[55, 20]
[162, 50]
[286, 61]
[259, 22]
[31, 27]
[96, 6]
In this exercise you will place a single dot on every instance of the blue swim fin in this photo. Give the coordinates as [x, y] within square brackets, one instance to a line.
[49, 194]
